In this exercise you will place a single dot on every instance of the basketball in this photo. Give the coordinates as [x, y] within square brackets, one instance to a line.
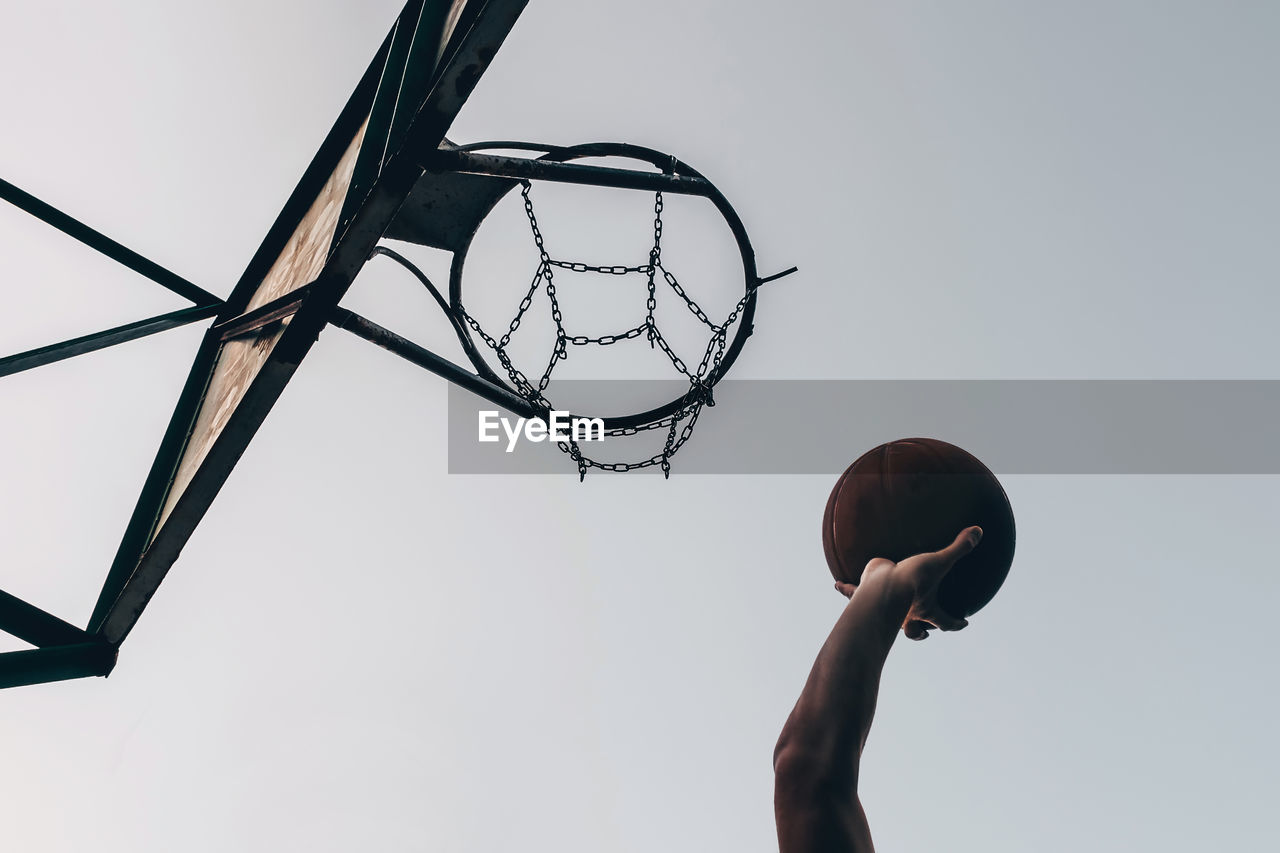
[915, 495]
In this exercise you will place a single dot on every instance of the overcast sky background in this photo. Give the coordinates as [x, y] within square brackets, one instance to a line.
[359, 651]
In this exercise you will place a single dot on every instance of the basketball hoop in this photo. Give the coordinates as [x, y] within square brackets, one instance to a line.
[483, 180]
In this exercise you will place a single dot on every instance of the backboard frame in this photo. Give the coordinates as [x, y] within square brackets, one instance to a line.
[162, 522]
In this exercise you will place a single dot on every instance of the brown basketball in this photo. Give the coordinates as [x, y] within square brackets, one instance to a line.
[914, 495]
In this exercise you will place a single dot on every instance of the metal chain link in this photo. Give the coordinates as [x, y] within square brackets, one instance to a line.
[688, 300]
[655, 260]
[680, 424]
[524, 304]
[577, 266]
[605, 340]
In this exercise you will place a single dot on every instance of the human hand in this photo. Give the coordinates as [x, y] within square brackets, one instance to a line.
[919, 576]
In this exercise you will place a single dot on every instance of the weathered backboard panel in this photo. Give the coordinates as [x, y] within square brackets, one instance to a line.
[240, 359]
[419, 79]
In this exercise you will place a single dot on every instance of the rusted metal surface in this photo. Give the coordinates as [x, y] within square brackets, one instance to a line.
[445, 209]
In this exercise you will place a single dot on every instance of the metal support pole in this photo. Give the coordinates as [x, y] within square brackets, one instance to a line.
[31, 624]
[408, 350]
[56, 663]
[102, 243]
[101, 340]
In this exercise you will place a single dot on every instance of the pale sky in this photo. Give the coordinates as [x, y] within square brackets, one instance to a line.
[358, 650]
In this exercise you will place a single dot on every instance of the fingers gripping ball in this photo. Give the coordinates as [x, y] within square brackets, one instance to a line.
[912, 496]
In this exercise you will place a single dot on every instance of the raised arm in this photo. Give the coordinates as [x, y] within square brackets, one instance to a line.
[816, 761]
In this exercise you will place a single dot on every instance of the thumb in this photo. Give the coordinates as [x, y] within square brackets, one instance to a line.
[964, 542]
[916, 630]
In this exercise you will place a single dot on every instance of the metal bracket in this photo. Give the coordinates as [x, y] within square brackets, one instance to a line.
[467, 162]
[776, 276]
[264, 315]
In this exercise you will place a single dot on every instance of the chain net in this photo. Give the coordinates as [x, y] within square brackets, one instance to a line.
[679, 424]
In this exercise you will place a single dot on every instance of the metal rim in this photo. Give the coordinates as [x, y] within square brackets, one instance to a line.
[659, 160]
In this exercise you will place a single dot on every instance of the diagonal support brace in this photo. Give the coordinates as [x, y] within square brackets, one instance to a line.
[100, 242]
[33, 625]
[101, 340]
[56, 663]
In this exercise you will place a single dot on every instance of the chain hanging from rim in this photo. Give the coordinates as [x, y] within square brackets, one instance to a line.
[679, 424]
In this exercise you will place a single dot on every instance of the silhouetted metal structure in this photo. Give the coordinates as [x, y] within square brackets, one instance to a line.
[384, 170]
[347, 198]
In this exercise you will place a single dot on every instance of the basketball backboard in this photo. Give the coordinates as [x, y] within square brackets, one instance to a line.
[404, 104]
